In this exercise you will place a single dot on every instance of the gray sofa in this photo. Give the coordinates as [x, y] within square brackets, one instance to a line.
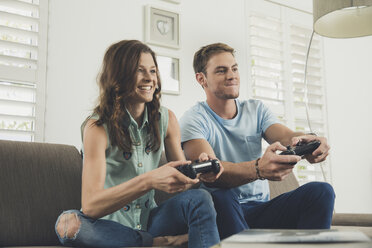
[38, 181]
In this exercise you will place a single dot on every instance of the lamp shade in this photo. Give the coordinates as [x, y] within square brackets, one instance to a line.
[342, 18]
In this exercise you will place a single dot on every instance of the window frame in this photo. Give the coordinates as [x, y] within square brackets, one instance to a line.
[35, 77]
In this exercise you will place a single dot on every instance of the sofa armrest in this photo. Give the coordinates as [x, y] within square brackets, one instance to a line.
[342, 219]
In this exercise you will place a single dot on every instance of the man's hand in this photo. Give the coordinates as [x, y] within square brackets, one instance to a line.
[320, 153]
[168, 179]
[209, 177]
[276, 167]
[171, 240]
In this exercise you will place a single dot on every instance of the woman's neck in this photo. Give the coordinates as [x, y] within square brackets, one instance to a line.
[137, 111]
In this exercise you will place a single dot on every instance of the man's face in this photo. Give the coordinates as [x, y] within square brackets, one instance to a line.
[222, 78]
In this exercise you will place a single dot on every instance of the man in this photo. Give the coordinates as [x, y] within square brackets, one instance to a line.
[231, 130]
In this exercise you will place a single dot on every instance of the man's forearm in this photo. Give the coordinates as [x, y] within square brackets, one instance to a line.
[235, 174]
[281, 133]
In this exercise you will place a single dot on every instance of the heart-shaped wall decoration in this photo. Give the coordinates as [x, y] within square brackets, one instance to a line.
[163, 27]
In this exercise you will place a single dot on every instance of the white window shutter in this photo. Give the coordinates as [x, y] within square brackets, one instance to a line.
[278, 51]
[21, 73]
[266, 49]
[315, 94]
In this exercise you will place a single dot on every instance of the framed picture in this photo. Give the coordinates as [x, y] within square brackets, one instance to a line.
[162, 27]
[169, 69]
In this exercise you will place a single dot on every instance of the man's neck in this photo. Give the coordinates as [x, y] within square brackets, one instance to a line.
[225, 108]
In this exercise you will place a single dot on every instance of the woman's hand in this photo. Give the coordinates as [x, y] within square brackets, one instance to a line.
[168, 179]
[171, 240]
[209, 177]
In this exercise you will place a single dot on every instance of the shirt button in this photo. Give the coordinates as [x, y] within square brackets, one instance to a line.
[138, 206]
[140, 165]
[138, 226]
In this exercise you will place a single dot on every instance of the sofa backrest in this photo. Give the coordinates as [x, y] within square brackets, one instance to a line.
[37, 182]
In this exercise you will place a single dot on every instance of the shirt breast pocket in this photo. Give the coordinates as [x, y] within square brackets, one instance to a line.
[254, 144]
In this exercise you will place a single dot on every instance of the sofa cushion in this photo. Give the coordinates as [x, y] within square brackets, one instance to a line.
[37, 182]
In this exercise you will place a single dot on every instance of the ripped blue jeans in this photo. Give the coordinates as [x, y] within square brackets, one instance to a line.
[189, 212]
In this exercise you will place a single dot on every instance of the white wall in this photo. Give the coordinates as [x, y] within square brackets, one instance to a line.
[80, 31]
[349, 86]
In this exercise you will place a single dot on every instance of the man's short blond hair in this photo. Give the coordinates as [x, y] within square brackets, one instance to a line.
[203, 55]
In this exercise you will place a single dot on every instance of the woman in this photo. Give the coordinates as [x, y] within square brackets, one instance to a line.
[122, 143]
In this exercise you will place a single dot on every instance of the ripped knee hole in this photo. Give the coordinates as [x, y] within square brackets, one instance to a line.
[68, 225]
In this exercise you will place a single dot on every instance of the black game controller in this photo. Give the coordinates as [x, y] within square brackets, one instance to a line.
[302, 148]
[190, 170]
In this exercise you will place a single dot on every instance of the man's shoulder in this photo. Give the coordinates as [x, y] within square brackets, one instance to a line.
[250, 103]
[196, 111]
[251, 106]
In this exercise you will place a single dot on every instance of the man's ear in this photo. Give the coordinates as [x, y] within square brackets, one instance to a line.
[200, 77]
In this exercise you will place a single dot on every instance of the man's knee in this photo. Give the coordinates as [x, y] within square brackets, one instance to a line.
[68, 225]
[322, 189]
[322, 193]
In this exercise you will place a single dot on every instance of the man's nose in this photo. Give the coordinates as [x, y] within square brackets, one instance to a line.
[231, 74]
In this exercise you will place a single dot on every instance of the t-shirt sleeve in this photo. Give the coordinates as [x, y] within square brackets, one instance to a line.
[267, 117]
[193, 126]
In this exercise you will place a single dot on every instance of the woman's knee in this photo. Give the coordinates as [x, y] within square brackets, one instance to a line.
[199, 196]
[223, 196]
[68, 225]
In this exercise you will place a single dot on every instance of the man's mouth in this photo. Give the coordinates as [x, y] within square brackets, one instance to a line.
[232, 84]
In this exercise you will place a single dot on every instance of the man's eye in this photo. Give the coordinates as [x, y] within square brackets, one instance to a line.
[220, 71]
[235, 69]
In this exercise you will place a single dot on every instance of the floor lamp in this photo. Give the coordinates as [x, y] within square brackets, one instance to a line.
[338, 19]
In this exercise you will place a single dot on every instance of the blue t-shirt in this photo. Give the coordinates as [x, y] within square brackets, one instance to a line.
[234, 140]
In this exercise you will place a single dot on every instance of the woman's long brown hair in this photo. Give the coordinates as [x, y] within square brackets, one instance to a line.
[117, 81]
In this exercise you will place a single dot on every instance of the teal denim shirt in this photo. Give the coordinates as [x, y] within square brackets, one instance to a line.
[121, 167]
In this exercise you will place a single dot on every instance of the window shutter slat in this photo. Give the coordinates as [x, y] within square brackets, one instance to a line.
[22, 74]
[19, 19]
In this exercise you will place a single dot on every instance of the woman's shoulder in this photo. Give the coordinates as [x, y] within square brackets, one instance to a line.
[89, 127]
[163, 110]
